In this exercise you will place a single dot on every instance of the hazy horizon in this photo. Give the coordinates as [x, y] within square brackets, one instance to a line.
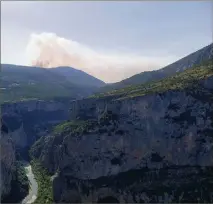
[109, 40]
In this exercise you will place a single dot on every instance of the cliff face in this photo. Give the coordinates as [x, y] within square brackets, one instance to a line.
[172, 130]
[7, 159]
[175, 125]
[29, 120]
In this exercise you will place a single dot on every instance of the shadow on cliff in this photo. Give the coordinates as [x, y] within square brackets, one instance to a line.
[108, 199]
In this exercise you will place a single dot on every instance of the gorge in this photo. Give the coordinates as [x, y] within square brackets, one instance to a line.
[149, 143]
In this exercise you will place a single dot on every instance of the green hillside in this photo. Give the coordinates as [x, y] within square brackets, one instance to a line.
[188, 78]
[193, 59]
[24, 83]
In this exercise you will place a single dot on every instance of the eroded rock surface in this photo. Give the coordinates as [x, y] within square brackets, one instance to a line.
[29, 120]
[142, 149]
[7, 159]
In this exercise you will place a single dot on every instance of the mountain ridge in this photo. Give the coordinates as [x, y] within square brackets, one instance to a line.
[180, 65]
[53, 69]
[72, 76]
[23, 82]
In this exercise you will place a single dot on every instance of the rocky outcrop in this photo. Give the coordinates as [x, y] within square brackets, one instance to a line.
[175, 125]
[132, 140]
[165, 185]
[29, 120]
[7, 159]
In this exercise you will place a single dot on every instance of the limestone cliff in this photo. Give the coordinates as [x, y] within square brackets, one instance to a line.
[29, 120]
[139, 149]
[7, 161]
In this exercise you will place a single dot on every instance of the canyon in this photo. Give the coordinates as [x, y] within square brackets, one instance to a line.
[151, 142]
[153, 148]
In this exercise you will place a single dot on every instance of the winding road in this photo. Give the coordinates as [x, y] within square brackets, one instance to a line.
[31, 197]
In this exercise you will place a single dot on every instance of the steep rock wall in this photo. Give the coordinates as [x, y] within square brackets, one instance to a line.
[153, 148]
[174, 125]
[29, 120]
[7, 161]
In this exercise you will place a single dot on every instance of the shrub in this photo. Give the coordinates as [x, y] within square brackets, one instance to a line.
[45, 192]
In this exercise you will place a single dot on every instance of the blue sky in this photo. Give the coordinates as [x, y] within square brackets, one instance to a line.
[111, 40]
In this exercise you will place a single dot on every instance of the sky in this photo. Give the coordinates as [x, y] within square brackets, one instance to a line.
[110, 40]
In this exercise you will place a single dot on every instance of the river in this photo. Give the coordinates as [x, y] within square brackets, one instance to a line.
[31, 197]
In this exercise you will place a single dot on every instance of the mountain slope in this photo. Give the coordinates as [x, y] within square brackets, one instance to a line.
[22, 82]
[195, 58]
[156, 147]
[181, 80]
[78, 77]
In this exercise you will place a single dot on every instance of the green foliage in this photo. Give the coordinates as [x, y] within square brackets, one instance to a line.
[19, 185]
[36, 148]
[45, 192]
[78, 127]
[74, 127]
[21, 174]
[192, 59]
[38, 91]
[106, 117]
[187, 79]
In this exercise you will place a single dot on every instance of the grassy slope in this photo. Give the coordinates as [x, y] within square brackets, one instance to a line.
[188, 78]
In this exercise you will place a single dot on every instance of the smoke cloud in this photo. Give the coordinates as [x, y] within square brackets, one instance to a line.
[48, 50]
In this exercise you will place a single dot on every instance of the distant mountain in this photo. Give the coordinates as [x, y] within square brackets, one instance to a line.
[195, 58]
[78, 77]
[22, 82]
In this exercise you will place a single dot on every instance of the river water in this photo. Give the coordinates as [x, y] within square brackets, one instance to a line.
[31, 197]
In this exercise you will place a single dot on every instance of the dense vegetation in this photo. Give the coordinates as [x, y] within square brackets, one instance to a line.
[36, 148]
[38, 91]
[188, 79]
[78, 127]
[19, 185]
[74, 127]
[24, 83]
[45, 194]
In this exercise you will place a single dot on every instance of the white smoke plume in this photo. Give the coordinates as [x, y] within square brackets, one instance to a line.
[49, 50]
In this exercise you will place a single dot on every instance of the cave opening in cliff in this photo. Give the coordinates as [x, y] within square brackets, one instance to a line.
[108, 199]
